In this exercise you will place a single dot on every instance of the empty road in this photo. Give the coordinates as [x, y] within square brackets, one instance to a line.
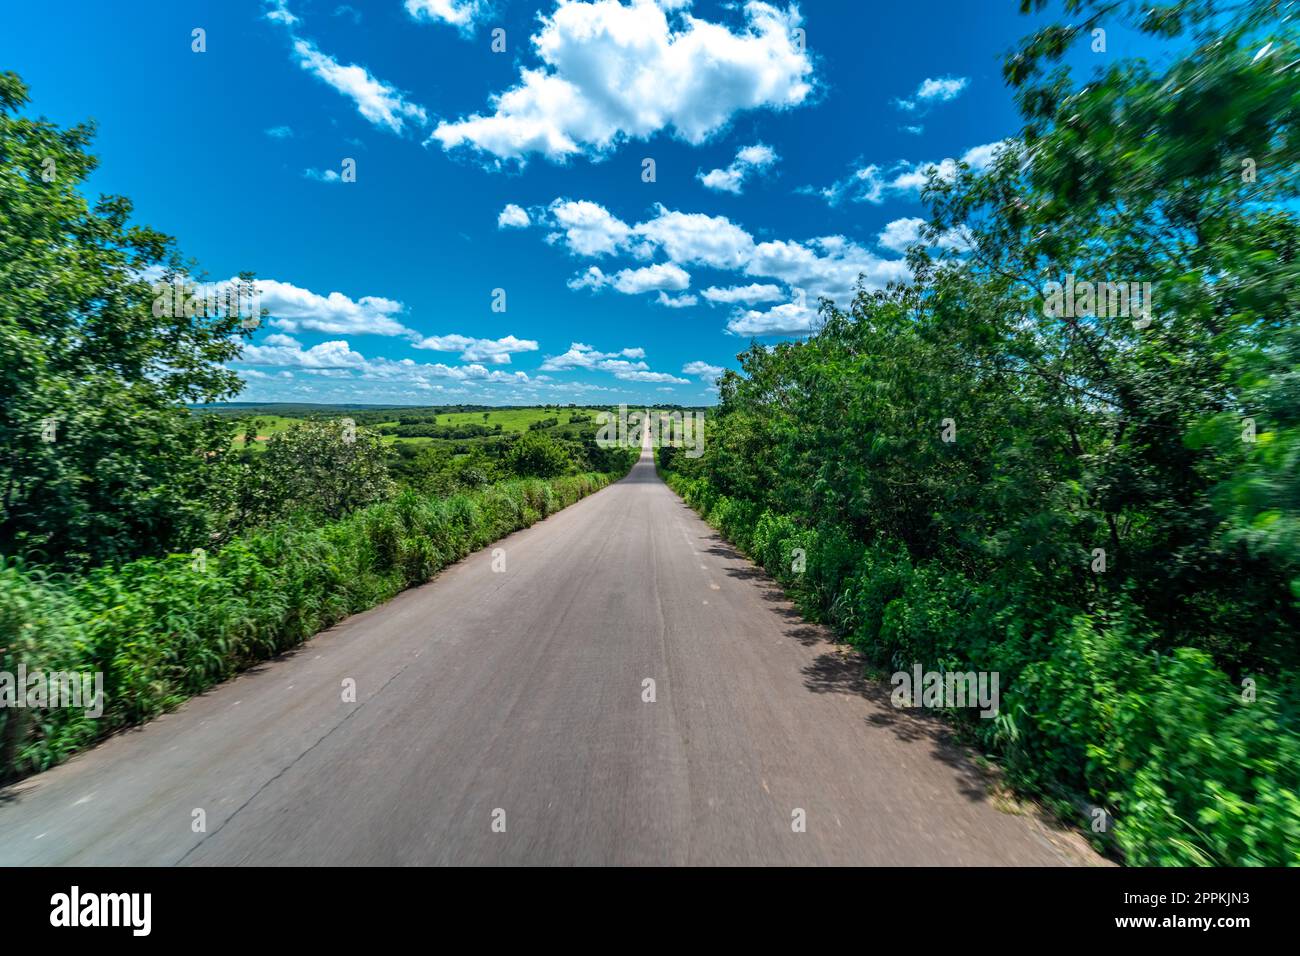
[500, 717]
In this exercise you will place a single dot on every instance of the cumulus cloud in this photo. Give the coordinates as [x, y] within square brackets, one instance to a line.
[942, 89]
[627, 365]
[339, 356]
[870, 184]
[676, 301]
[587, 228]
[293, 309]
[913, 177]
[790, 318]
[462, 14]
[612, 71]
[749, 160]
[743, 295]
[650, 377]
[697, 239]
[661, 277]
[377, 101]
[492, 351]
[902, 233]
[584, 356]
[829, 266]
[513, 217]
[825, 266]
[703, 371]
[278, 11]
[938, 90]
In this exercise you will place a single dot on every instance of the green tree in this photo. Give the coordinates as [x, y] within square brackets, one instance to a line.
[320, 468]
[100, 459]
[535, 455]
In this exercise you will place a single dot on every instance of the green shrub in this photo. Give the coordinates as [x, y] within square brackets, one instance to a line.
[163, 629]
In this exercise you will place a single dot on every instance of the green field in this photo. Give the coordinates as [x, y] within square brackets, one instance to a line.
[511, 420]
[514, 419]
[266, 426]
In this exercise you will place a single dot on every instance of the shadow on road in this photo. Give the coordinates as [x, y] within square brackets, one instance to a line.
[840, 670]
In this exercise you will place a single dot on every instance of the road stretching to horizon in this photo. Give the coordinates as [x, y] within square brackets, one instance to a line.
[512, 700]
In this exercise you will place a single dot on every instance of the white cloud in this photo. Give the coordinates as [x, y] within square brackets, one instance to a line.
[338, 356]
[743, 295]
[748, 160]
[827, 266]
[378, 102]
[661, 277]
[703, 370]
[293, 309]
[278, 11]
[938, 90]
[492, 351]
[942, 89]
[900, 234]
[914, 176]
[459, 13]
[619, 364]
[676, 302]
[285, 341]
[651, 377]
[697, 239]
[982, 157]
[513, 217]
[280, 132]
[869, 185]
[586, 357]
[588, 228]
[792, 318]
[614, 71]
[862, 185]
[593, 278]
[326, 176]
[335, 354]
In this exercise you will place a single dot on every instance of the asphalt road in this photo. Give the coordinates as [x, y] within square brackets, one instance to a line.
[512, 700]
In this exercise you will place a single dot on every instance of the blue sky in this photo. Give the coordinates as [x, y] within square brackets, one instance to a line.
[781, 172]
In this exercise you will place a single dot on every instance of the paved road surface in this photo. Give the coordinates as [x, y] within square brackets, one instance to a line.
[521, 691]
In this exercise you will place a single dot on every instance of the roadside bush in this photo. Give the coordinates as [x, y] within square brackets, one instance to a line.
[163, 629]
[536, 455]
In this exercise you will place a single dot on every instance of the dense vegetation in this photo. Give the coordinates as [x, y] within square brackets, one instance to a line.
[161, 629]
[161, 539]
[1103, 510]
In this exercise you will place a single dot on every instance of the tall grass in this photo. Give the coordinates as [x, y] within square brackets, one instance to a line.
[162, 629]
